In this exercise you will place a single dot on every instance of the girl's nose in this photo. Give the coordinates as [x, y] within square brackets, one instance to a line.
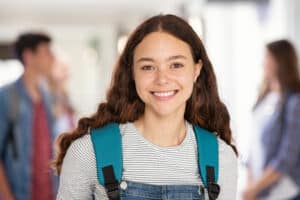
[161, 77]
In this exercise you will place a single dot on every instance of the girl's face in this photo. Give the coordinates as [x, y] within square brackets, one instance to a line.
[164, 73]
[270, 66]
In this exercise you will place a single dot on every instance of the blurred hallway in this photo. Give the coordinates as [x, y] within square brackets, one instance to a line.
[88, 35]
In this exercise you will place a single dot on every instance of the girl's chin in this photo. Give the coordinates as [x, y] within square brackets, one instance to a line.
[165, 111]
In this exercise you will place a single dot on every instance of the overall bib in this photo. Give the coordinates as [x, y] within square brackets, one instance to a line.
[139, 191]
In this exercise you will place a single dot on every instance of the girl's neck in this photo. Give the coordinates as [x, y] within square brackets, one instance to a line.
[162, 131]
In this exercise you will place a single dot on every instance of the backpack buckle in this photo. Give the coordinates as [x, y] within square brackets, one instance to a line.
[213, 190]
[112, 191]
[110, 183]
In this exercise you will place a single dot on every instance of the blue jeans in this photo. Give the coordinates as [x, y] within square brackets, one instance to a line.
[140, 191]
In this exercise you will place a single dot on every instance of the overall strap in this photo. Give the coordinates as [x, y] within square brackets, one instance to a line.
[107, 145]
[208, 160]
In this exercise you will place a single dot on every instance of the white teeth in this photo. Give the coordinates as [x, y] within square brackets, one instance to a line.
[164, 94]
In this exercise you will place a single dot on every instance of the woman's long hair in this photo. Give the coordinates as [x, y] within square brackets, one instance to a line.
[287, 73]
[204, 107]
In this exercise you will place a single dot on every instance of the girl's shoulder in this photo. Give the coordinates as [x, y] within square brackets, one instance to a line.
[80, 155]
[78, 176]
[80, 160]
[226, 150]
[228, 171]
[228, 160]
[82, 145]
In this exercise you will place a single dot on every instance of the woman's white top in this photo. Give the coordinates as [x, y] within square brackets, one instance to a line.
[143, 162]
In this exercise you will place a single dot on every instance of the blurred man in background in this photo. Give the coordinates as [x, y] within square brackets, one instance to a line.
[26, 123]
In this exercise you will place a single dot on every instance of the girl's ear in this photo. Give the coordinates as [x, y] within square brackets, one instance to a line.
[198, 67]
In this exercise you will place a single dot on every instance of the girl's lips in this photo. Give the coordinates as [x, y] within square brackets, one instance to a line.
[165, 95]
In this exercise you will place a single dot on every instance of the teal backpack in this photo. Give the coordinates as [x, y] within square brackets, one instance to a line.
[107, 143]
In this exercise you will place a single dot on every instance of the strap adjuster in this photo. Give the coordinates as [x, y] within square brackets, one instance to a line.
[110, 183]
[112, 190]
[213, 190]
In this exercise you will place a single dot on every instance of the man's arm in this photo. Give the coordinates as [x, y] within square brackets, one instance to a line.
[5, 191]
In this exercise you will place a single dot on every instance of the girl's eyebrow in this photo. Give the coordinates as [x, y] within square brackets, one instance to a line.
[168, 59]
[176, 57]
[145, 59]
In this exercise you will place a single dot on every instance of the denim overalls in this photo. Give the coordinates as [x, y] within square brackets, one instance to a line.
[130, 190]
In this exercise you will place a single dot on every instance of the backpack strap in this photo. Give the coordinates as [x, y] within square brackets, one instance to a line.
[108, 151]
[208, 160]
[13, 112]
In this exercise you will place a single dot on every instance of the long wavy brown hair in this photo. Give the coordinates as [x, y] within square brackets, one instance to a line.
[204, 107]
[287, 71]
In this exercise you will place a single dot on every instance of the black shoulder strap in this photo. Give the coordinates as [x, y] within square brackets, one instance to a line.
[111, 184]
[213, 188]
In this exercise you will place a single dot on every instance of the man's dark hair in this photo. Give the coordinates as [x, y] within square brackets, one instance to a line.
[29, 41]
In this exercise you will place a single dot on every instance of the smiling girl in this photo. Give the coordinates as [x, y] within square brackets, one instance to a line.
[163, 85]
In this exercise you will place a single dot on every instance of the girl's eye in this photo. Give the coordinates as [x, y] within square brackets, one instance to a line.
[177, 65]
[147, 67]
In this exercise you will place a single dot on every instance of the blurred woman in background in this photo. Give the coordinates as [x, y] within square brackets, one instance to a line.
[274, 157]
[62, 108]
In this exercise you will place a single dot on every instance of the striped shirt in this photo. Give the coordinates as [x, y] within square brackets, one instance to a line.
[143, 162]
